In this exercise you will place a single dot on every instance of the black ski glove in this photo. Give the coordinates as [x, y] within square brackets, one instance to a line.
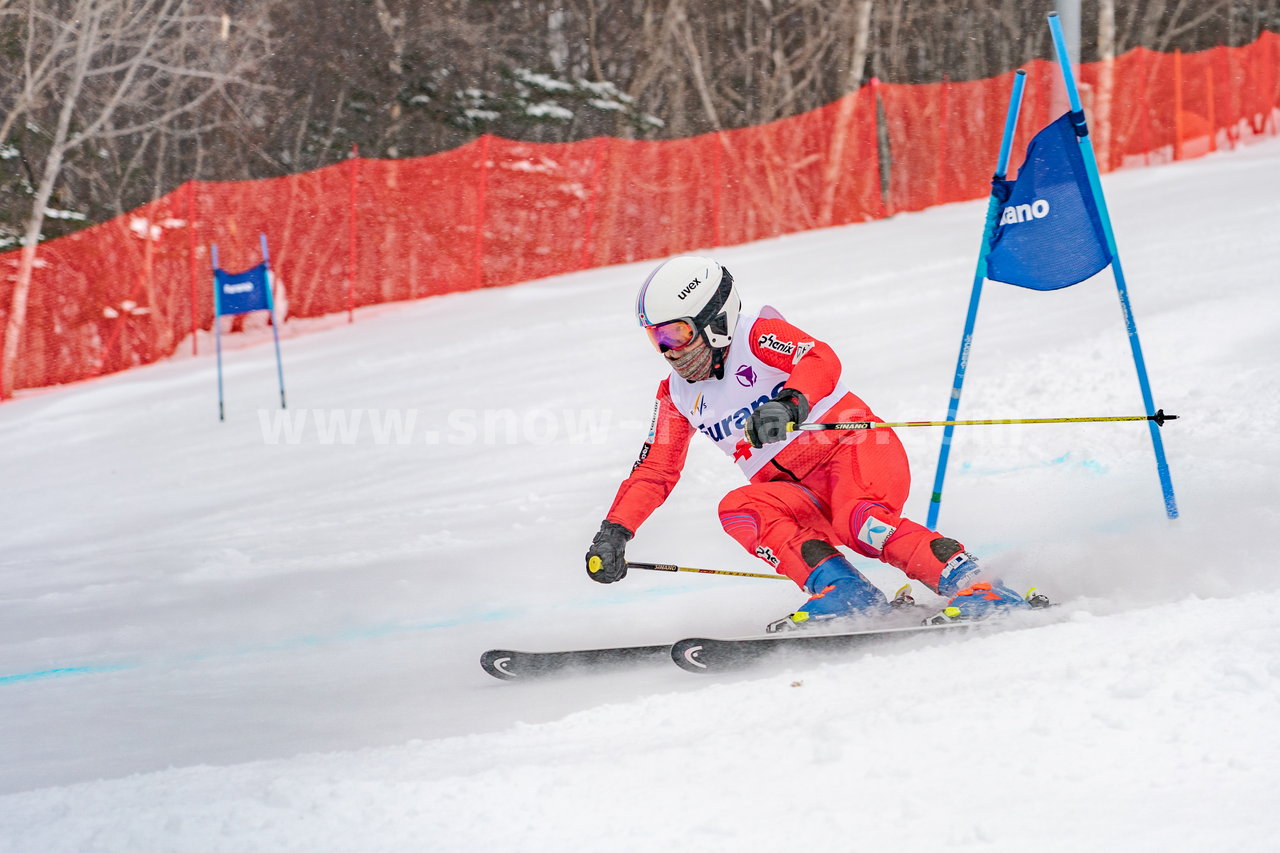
[768, 423]
[607, 558]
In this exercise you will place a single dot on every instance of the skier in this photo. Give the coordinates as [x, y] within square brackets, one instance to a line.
[741, 379]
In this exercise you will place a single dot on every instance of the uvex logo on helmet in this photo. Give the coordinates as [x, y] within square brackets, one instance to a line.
[1015, 213]
[688, 288]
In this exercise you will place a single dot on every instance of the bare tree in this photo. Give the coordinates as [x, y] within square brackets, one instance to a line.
[844, 112]
[111, 69]
[1106, 79]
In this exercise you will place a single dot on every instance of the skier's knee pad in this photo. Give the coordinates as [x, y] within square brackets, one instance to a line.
[814, 551]
[944, 549]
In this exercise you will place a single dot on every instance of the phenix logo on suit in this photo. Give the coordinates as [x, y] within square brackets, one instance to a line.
[792, 348]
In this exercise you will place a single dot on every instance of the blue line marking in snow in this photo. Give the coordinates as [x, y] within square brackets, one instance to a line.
[292, 644]
[342, 636]
[60, 673]
[1093, 466]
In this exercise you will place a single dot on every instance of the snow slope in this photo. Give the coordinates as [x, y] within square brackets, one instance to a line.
[263, 634]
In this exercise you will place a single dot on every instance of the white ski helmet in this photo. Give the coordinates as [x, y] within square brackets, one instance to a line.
[687, 296]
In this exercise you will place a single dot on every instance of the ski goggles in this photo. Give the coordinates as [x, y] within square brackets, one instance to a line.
[674, 334]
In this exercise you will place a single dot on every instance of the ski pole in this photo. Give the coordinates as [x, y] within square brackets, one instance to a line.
[667, 567]
[1159, 417]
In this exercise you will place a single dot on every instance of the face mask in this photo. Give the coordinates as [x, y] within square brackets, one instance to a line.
[693, 362]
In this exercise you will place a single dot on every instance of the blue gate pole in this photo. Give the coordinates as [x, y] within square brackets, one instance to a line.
[979, 275]
[1095, 184]
[217, 324]
[271, 311]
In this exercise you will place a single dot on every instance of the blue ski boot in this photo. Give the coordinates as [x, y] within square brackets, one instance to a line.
[973, 597]
[961, 570]
[836, 589]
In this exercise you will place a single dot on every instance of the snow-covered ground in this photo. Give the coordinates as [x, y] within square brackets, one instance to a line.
[263, 634]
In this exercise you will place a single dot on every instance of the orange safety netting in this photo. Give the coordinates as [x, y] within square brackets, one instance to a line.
[495, 212]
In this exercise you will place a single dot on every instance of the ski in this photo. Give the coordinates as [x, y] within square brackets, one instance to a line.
[511, 665]
[704, 654]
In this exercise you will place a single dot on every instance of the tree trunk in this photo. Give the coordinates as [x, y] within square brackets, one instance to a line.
[35, 222]
[26, 269]
[1106, 78]
[705, 95]
[844, 112]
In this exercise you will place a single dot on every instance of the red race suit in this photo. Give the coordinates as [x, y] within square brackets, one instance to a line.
[839, 487]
